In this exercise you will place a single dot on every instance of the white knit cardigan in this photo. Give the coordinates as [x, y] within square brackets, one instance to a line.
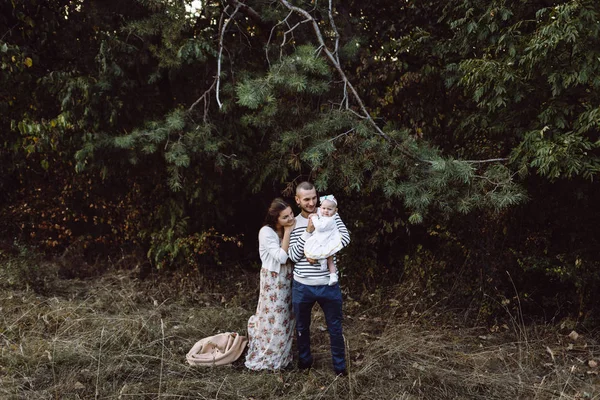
[269, 249]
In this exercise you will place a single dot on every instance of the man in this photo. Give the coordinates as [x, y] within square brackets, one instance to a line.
[311, 285]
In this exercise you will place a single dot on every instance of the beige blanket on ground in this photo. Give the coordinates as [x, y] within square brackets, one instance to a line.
[221, 349]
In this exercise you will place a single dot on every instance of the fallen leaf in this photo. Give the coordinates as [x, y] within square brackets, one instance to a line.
[592, 364]
[573, 335]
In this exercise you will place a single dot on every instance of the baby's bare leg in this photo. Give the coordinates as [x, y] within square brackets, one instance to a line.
[330, 265]
[333, 279]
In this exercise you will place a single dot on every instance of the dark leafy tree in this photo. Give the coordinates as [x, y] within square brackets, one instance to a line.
[147, 123]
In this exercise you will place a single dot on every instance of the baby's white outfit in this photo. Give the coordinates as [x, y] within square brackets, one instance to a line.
[325, 240]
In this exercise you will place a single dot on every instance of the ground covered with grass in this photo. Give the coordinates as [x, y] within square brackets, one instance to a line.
[118, 337]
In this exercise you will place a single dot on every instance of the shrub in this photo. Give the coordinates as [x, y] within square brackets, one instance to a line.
[23, 267]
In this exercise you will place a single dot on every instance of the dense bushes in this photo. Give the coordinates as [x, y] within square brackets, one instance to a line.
[465, 166]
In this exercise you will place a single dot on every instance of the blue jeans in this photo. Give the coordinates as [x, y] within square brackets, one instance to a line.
[329, 298]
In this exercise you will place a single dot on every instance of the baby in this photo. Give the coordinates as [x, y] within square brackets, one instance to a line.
[326, 239]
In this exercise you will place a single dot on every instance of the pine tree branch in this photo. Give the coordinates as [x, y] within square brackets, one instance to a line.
[217, 81]
[331, 55]
[497, 184]
[206, 97]
[291, 30]
[337, 34]
[336, 52]
[342, 134]
[220, 57]
[335, 61]
[489, 160]
[284, 21]
[246, 9]
[485, 178]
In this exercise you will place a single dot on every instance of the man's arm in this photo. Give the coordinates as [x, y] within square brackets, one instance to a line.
[297, 241]
[343, 230]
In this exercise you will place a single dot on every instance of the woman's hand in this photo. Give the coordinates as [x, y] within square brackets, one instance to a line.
[287, 233]
[289, 228]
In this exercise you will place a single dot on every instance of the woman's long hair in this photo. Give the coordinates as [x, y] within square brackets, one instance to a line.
[276, 207]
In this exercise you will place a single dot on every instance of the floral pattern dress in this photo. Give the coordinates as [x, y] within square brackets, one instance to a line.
[271, 329]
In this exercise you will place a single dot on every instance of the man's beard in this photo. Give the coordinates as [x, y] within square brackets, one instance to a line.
[308, 211]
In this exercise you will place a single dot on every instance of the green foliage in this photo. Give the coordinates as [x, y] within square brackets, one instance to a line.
[172, 247]
[110, 114]
[195, 50]
[302, 72]
[425, 270]
[557, 155]
[528, 71]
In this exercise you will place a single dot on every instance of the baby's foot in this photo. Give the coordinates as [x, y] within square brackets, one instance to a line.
[333, 279]
[324, 265]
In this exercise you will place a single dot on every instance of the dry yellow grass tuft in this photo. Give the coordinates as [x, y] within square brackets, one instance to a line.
[115, 337]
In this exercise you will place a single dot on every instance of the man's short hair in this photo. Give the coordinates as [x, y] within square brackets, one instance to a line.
[304, 186]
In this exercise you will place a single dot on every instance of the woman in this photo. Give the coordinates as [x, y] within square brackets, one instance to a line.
[271, 329]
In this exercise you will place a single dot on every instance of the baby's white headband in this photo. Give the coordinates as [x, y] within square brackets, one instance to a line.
[329, 197]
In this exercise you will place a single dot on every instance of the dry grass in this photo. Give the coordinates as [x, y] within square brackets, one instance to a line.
[117, 338]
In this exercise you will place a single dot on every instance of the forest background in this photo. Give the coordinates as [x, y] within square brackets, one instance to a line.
[460, 138]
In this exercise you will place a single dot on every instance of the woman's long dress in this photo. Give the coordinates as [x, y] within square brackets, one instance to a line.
[271, 328]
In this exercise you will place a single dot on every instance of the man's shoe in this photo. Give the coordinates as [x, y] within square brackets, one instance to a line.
[343, 372]
[304, 366]
[289, 367]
